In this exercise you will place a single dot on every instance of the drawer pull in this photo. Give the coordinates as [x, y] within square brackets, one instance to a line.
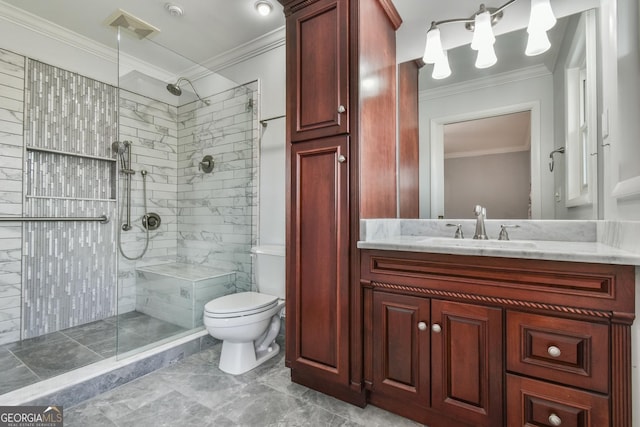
[341, 109]
[422, 326]
[436, 328]
[555, 420]
[341, 159]
[554, 352]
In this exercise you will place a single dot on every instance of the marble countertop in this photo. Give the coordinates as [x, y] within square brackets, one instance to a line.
[529, 249]
[422, 236]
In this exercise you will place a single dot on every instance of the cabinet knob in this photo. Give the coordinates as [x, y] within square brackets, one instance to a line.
[436, 328]
[555, 420]
[422, 326]
[341, 109]
[341, 159]
[554, 352]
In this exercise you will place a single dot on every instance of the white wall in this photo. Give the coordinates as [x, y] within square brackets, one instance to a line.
[269, 69]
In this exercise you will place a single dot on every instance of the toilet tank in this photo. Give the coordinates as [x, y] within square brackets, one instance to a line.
[269, 269]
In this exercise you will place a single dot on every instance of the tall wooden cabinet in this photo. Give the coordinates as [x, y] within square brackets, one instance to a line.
[341, 145]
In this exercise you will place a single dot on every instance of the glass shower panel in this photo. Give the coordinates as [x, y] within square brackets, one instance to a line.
[58, 274]
[173, 113]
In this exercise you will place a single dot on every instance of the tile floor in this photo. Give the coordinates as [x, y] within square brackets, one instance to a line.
[194, 392]
[29, 361]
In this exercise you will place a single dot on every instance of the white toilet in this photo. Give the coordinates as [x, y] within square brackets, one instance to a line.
[249, 322]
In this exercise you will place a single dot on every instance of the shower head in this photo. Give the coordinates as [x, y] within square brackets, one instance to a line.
[174, 89]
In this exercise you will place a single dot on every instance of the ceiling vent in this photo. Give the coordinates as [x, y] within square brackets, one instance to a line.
[137, 26]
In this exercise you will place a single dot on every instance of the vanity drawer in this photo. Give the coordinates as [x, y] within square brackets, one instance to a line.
[537, 403]
[571, 352]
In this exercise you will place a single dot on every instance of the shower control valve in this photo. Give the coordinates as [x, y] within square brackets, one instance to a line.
[206, 165]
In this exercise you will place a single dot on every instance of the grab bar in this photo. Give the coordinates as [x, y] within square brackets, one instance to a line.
[103, 219]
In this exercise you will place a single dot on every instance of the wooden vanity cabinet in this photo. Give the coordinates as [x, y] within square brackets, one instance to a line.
[479, 341]
[445, 355]
[341, 167]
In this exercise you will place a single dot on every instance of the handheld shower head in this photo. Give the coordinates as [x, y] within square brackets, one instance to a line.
[174, 89]
[118, 147]
[121, 148]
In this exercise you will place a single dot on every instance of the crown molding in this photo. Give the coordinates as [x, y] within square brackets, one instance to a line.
[265, 43]
[50, 30]
[72, 39]
[56, 32]
[526, 73]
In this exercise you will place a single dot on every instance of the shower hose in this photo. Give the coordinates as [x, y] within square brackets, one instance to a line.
[145, 217]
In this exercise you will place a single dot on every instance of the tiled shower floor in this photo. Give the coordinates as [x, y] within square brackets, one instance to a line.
[35, 359]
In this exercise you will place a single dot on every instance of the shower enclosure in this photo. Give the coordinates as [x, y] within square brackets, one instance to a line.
[125, 207]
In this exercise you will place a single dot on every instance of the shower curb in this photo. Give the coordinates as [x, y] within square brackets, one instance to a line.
[140, 365]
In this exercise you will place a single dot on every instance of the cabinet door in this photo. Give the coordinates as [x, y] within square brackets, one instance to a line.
[317, 70]
[317, 272]
[466, 362]
[401, 347]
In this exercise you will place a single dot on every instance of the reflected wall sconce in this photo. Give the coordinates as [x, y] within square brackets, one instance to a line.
[541, 20]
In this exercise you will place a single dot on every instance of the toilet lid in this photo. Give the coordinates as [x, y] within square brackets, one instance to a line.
[241, 303]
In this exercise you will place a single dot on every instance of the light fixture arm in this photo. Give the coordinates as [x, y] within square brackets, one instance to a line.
[493, 12]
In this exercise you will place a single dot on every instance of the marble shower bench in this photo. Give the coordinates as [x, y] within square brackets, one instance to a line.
[177, 292]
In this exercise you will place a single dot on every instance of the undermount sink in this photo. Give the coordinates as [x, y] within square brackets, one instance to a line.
[472, 243]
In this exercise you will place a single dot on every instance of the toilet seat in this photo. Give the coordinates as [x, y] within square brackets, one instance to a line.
[239, 304]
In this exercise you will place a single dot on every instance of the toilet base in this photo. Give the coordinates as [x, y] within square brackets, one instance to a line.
[238, 358]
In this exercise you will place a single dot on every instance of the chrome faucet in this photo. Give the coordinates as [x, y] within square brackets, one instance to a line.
[481, 214]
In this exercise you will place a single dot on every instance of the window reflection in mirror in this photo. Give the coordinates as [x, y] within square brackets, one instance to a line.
[580, 112]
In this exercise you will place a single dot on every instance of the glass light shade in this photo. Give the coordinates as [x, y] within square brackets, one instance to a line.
[483, 33]
[537, 43]
[541, 17]
[486, 57]
[433, 48]
[441, 69]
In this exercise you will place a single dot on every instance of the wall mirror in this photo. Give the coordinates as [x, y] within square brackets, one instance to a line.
[487, 135]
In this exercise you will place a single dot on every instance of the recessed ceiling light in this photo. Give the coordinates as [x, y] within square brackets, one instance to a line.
[174, 10]
[263, 7]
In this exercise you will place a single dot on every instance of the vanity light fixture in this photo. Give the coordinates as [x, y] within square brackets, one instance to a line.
[264, 7]
[541, 20]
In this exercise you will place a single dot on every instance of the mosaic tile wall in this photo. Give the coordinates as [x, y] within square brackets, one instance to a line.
[11, 121]
[69, 273]
[217, 220]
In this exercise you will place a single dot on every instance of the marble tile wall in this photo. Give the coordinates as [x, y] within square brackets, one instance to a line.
[68, 267]
[563, 230]
[11, 135]
[151, 127]
[217, 222]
